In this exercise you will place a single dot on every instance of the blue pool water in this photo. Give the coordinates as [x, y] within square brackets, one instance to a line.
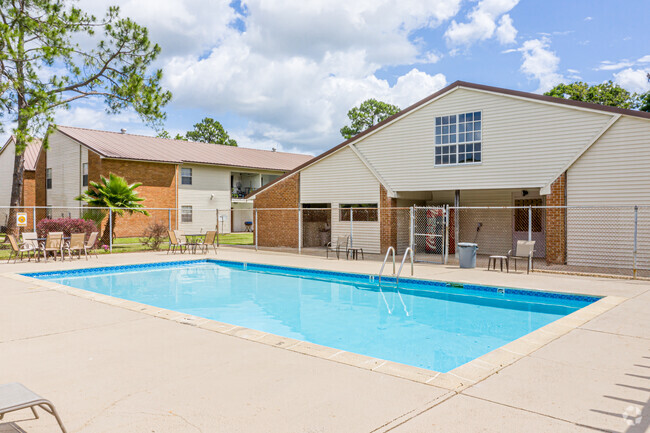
[428, 324]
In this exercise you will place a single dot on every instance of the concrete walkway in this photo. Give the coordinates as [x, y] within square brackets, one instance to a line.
[109, 369]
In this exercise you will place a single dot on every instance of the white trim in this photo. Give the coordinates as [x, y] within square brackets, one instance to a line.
[374, 172]
[546, 189]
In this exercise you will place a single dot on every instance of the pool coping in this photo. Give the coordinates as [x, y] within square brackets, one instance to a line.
[456, 380]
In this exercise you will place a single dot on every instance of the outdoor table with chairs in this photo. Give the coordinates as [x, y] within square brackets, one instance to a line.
[55, 243]
[192, 242]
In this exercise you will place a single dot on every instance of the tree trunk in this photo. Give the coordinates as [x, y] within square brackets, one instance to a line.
[16, 190]
[106, 235]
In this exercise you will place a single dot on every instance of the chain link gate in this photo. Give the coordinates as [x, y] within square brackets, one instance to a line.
[430, 225]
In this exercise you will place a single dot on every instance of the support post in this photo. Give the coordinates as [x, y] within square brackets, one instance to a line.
[351, 226]
[110, 229]
[299, 230]
[169, 218]
[34, 217]
[636, 226]
[255, 228]
[412, 229]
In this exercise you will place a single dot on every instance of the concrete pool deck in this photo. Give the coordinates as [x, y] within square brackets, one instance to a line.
[108, 368]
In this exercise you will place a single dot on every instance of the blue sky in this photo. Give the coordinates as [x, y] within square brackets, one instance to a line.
[283, 74]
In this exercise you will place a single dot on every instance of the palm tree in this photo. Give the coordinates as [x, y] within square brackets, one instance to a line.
[114, 193]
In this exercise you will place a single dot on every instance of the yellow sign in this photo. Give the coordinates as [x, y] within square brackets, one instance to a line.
[21, 219]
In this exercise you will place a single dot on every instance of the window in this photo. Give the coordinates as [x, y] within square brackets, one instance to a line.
[84, 174]
[186, 214]
[186, 176]
[361, 212]
[48, 178]
[521, 215]
[458, 139]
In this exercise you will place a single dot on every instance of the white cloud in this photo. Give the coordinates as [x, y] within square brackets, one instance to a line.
[607, 65]
[482, 24]
[540, 63]
[506, 32]
[588, 18]
[634, 80]
[644, 59]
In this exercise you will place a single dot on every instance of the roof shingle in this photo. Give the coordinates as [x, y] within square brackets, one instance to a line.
[143, 148]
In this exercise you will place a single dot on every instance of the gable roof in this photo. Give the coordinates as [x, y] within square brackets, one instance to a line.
[449, 88]
[32, 152]
[154, 149]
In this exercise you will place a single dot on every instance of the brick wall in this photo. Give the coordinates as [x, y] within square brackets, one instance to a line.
[278, 228]
[387, 220]
[556, 222]
[158, 189]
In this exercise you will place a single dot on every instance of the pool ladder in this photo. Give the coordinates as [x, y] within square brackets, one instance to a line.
[392, 250]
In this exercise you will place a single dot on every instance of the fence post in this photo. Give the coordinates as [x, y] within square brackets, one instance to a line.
[299, 230]
[636, 226]
[256, 228]
[412, 229]
[169, 218]
[530, 232]
[34, 217]
[352, 224]
[218, 227]
[446, 244]
[110, 229]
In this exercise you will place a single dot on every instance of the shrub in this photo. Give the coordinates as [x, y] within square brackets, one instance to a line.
[155, 234]
[65, 225]
[95, 215]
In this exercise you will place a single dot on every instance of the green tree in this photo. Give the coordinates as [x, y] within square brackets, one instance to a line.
[210, 131]
[604, 94]
[114, 193]
[166, 134]
[46, 63]
[369, 113]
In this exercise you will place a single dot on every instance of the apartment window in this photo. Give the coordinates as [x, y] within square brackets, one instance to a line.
[186, 176]
[458, 139]
[359, 212]
[186, 214]
[84, 174]
[48, 178]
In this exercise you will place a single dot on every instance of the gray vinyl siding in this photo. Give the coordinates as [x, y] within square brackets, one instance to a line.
[613, 172]
[65, 157]
[525, 143]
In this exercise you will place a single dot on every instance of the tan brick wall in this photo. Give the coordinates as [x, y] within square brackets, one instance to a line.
[556, 222]
[278, 228]
[387, 220]
[158, 189]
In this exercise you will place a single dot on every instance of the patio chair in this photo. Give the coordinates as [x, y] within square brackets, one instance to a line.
[14, 396]
[31, 238]
[77, 244]
[342, 245]
[91, 244]
[182, 240]
[17, 249]
[175, 242]
[524, 251]
[209, 240]
[53, 244]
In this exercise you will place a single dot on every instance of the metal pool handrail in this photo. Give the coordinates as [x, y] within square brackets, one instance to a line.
[381, 271]
[402, 265]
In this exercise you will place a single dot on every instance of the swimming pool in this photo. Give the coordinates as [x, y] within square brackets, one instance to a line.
[428, 324]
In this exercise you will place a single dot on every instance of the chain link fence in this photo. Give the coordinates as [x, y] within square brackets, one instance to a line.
[594, 240]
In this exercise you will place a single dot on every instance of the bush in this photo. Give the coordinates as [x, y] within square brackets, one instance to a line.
[95, 215]
[155, 234]
[65, 225]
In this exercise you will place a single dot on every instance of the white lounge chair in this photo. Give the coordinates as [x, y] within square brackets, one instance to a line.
[524, 251]
[14, 396]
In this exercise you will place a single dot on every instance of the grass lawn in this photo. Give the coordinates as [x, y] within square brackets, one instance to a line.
[131, 244]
